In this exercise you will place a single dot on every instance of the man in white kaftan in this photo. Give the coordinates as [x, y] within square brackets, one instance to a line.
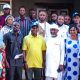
[54, 54]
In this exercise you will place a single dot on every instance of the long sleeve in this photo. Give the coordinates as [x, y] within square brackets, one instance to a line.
[62, 52]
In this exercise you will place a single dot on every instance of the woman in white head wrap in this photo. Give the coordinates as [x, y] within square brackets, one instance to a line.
[7, 28]
[8, 24]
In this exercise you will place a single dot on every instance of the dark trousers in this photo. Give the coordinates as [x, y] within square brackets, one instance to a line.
[34, 74]
[15, 70]
[7, 74]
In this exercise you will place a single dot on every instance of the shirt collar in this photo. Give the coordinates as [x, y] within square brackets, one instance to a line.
[14, 34]
[33, 36]
[24, 17]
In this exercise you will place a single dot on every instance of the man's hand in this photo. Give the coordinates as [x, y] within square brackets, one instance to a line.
[61, 67]
[25, 66]
[7, 64]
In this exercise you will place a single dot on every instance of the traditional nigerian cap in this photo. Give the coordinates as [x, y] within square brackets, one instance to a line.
[34, 24]
[8, 17]
[6, 6]
[75, 14]
[54, 26]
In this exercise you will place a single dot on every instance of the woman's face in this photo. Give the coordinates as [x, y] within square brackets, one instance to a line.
[73, 31]
[10, 20]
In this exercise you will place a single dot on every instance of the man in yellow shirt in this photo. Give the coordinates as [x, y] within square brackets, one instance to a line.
[34, 48]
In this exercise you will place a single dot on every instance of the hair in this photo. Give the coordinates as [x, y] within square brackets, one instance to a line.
[60, 15]
[21, 7]
[32, 9]
[42, 10]
[73, 25]
[54, 12]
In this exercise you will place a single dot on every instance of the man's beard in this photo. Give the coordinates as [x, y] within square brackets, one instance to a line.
[54, 35]
[53, 21]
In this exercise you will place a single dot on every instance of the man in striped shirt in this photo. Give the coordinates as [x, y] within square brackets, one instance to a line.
[24, 21]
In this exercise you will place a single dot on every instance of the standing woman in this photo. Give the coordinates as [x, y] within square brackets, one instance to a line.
[8, 24]
[72, 54]
[5, 29]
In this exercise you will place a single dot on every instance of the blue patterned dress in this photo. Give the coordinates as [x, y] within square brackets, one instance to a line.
[72, 59]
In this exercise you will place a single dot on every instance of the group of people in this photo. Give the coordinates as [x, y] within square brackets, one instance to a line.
[46, 50]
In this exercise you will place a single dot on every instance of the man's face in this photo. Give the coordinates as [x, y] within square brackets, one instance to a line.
[6, 11]
[54, 17]
[34, 30]
[76, 19]
[42, 16]
[16, 28]
[32, 14]
[67, 19]
[60, 20]
[22, 11]
[54, 32]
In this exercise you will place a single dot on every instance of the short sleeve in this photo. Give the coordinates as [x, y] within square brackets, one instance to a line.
[24, 46]
[43, 45]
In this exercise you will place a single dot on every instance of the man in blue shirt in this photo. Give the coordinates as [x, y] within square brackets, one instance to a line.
[13, 42]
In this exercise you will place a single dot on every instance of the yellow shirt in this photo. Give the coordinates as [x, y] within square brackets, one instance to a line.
[34, 47]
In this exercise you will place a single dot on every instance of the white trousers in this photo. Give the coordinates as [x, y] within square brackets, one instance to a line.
[60, 75]
[50, 78]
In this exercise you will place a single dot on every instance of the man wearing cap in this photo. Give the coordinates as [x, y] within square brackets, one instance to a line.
[13, 42]
[54, 54]
[76, 18]
[6, 11]
[34, 52]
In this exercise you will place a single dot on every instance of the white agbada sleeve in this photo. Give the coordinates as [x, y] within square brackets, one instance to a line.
[62, 51]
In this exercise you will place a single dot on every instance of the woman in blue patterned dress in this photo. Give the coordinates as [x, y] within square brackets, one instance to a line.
[72, 54]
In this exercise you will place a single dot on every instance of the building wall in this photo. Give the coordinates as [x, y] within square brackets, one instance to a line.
[77, 5]
[31, 4]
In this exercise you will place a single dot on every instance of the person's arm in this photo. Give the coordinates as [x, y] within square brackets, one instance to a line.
[43, 52]
[24, 48]
[5, 39]
[24, 60]
[44, 58]
[62, 50]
